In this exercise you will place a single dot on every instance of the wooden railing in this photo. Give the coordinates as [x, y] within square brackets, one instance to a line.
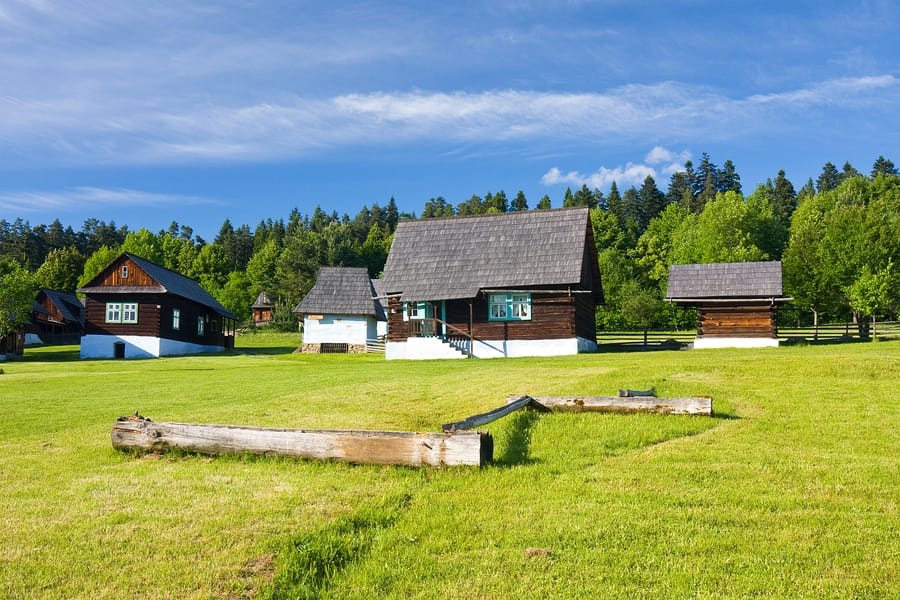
[460, 339]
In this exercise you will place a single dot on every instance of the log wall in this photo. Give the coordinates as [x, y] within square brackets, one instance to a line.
[737, 321]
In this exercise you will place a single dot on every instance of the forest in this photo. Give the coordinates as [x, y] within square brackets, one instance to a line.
[838, 237]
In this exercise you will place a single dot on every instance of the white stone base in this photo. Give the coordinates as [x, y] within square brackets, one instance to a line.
[734, 342]
[432, 348]
[136, 346]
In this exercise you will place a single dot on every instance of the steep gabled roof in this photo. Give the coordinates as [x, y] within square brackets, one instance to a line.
[451, 258]
[68, 304]
[342, 291]
[168, 282]
[748, 280]
[263, 301]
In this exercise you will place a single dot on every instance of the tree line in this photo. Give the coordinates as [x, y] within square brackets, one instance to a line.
[838, 237]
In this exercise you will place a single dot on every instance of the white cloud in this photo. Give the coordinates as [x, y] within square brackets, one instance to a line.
[659, 163]
[121, 129]
[91, 197]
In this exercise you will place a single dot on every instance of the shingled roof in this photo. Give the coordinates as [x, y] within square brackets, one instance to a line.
[68, 304]
[342, 291]
[169, 282]
[748, 280]
[452, 258]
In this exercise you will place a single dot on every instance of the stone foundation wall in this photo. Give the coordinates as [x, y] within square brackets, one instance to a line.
[317, 348]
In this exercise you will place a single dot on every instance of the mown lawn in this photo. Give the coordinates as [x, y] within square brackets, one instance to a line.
[789, 491]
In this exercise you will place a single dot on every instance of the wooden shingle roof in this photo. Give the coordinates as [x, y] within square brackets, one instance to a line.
[748, 280]
[67, 303]
[452, 258]
[342, 291]
[168, 282]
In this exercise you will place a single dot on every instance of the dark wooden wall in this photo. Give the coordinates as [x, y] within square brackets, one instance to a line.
[553, 316]
[736, 321]
[155, 318]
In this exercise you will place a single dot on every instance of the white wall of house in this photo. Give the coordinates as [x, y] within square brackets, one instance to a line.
[734, 342]
[137, 346]
[431, 348]
[339, 329]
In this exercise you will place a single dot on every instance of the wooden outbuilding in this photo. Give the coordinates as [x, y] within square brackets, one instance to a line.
[341, 312]
[509, 284]
[137, 309]
[737, 303]
[261, 310]
[57, 317]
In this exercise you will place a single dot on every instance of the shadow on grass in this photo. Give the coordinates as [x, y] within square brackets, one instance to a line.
[516, 442]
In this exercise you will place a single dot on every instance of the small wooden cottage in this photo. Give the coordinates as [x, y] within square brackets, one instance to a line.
[137, 309]
[58, 317]
[261, 310]
[13, 343]
[510, 284]
[340, 313]
[737, 303]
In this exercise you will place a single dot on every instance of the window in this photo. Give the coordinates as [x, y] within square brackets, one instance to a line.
[509, 307]
[122, 312]
[113, 312]
[201, 326]
[176, 319]
[124, 271]
[413, 310]
[129, 312]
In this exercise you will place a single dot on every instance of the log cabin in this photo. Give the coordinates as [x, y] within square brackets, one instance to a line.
[57, 317]
[261, 310]
[137, 309]
[340, 313]
[503, 285]
[737, 303]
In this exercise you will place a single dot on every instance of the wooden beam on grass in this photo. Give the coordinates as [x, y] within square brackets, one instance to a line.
[513, 404]
[697, 405]
[468, 448]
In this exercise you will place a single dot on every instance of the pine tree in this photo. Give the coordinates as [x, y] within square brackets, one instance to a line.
[829, 179]
[544, 203]
[883, 166]
[520, 203]
[784, 198]
[614, 201]
[728, 179]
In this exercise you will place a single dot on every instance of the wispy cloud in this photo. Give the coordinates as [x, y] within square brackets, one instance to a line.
[90, 198]
[138, 131]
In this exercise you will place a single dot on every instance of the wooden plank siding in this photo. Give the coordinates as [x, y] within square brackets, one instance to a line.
[742, 321]
[554, 315]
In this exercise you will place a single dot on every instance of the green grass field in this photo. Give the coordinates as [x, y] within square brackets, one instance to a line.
[790, 491]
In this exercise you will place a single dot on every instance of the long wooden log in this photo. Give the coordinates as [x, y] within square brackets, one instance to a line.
[470, 448]
[698, 405]
[513, 404]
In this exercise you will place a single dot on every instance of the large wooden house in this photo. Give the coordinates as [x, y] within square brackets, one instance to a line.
[57, 317]
[737, 303]
[136, 309]
[340, 313]
[510, 284]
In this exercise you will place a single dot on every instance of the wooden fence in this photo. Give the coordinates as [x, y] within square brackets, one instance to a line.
[673, 340]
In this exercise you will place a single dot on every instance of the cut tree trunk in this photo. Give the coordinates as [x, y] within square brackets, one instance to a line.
[471, 448]
[698, 405]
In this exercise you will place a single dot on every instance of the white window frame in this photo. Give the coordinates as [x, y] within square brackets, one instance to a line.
[509, 306]
[113, 312]
[130, 312]
[176, 319]
[201, 326]
[414, 310]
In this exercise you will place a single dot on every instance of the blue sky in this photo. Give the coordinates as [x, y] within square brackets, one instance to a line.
[149, 112]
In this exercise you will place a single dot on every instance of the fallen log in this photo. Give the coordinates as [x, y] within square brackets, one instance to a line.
[697, 405]
[469, 448]
[513, 404]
